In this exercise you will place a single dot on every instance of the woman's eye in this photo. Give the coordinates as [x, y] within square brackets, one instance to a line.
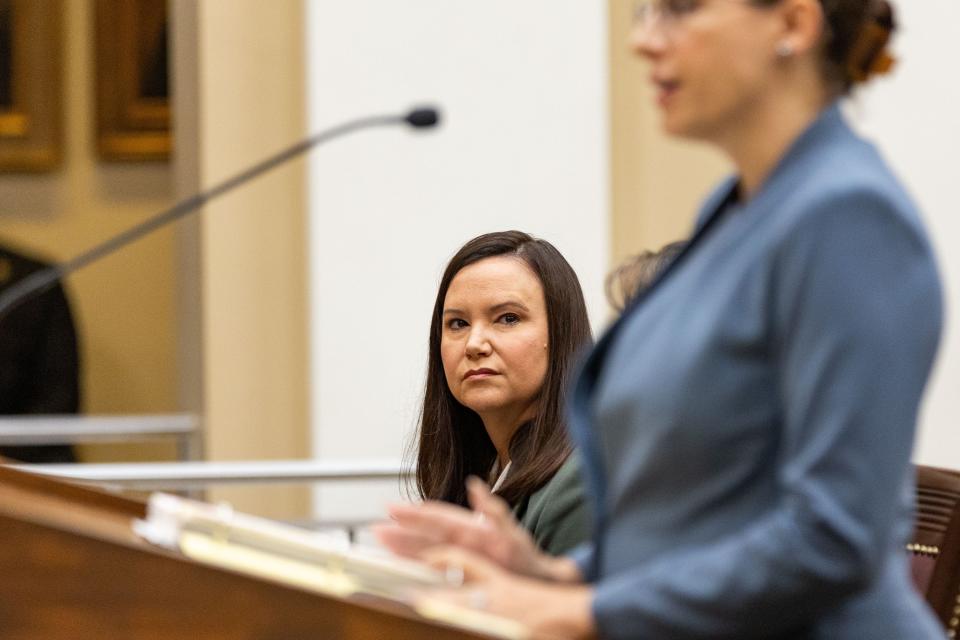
[509, 318]
[681, 7]
[456, 323]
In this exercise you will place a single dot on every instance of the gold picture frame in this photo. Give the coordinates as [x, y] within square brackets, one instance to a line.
[132, 80]
[30, 85]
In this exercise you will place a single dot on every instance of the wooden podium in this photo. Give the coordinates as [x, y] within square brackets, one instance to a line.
[71, 567]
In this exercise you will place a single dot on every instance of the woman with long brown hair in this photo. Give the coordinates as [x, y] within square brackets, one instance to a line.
[508, 322]
[746, 426]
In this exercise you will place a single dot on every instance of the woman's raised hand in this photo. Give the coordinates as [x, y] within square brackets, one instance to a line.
[488, 529]
[547, 610]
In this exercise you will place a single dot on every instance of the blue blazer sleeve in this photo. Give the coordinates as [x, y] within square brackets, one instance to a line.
[855, 313]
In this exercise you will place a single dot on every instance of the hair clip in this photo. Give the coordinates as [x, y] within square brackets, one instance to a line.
[869, 55]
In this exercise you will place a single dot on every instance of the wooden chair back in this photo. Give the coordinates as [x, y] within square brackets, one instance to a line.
[935, 547]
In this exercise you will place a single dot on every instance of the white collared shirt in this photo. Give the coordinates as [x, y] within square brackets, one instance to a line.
[501, 477]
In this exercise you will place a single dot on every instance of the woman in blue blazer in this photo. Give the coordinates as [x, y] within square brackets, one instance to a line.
[746, 426]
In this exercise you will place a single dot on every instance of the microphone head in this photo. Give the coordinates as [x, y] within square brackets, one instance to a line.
[423, 118]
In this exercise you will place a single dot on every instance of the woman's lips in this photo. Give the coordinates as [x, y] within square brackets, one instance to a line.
[476, 374]
[666, 89]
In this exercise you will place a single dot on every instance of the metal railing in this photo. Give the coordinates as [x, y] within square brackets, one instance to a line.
[190, 474]
[78, 429]
[152, 476]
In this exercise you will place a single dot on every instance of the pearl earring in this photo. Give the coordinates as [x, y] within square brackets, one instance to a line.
[784, 49]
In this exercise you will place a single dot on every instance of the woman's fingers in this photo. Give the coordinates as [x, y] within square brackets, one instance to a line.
[486, 503]
[441, 522]
[429, 514]
[474, 568]
[490, 529]
[404, 541]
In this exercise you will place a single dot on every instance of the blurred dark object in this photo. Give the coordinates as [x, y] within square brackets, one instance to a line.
[30, 85]
[6, 56]
[132, 80]
[39, 365]
[935, 548]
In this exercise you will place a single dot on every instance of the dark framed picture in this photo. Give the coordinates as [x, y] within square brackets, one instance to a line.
[30, 73]
[132, 80]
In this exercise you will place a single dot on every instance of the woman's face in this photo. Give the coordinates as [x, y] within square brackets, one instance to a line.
[712, 62]
[494, 338]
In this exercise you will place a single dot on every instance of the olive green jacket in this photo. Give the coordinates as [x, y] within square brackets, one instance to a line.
[557, 514]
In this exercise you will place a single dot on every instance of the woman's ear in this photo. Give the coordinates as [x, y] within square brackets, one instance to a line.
[803, 25]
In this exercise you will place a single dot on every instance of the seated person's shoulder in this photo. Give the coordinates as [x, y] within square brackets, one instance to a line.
[557, 514]
[16, 265]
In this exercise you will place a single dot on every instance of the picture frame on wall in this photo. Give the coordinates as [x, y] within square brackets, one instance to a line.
[30, 85]
[132, 80]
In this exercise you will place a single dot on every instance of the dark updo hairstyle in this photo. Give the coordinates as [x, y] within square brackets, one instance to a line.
[452, 442]
[855, 39]
[632, 276]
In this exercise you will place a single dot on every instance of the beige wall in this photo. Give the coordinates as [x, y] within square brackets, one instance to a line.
[209, 315]
[124, 306]
[657, 184]
[249, 102]
[213, 315]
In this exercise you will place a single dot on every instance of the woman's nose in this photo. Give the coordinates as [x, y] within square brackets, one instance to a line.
[478, 343]
[647, 38]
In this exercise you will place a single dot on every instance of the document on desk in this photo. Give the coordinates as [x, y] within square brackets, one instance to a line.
[217, 535]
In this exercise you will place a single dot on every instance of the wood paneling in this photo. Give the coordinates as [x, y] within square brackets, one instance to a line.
[72, 568]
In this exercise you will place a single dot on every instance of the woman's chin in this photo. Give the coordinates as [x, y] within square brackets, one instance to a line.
[674, 124]
[486, 403]
[483, 405]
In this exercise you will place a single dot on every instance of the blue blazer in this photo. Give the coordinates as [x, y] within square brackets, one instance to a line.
[746, 426]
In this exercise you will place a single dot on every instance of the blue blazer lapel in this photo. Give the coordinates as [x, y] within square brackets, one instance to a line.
[579, 403]
[712, 211]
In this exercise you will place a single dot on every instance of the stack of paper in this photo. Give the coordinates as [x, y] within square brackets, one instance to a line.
[217, 535]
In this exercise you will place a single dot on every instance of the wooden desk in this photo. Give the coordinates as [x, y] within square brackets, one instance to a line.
[72, 568]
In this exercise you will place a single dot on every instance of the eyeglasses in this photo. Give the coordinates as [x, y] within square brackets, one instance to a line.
[646, 12]
[669, 12]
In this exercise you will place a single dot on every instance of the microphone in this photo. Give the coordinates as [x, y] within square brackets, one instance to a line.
[423, 117]
[40, 281]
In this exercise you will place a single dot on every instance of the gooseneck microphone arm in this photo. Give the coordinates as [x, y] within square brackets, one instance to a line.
[40, 281]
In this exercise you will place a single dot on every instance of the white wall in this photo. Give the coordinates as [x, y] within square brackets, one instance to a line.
[913, 115]
[523, 145]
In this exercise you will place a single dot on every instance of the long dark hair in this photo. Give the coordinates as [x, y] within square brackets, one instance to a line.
[452, 442]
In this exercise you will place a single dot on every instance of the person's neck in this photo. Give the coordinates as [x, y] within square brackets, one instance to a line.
[502, 425]
[759, 141]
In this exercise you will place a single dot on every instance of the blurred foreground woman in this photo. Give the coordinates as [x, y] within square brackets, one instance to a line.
[746, 426]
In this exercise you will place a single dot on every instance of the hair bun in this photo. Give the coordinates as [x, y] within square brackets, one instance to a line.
[869, 56]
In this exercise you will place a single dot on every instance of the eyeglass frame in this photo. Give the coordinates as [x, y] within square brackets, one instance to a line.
[645, 12]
